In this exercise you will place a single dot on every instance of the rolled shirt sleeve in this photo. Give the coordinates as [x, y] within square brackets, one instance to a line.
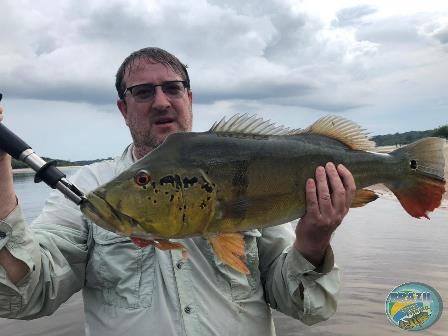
[292, 284]
[55, 247]
[19, 240]
[55, 251]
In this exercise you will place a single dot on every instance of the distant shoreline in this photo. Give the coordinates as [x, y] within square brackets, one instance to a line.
[24, 171]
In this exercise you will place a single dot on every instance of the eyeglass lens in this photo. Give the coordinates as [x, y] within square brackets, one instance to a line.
[147, 91]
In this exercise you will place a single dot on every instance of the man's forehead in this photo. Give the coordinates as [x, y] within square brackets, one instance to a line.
[141, 64]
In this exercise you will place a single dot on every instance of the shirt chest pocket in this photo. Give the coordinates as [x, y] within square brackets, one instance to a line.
[123, 272]
[240, 286]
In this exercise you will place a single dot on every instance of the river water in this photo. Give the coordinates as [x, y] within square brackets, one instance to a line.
[378, 248]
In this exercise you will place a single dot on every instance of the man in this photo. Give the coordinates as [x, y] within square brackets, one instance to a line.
[130, 290]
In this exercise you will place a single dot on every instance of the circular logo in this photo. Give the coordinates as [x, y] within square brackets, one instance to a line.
[414, 306]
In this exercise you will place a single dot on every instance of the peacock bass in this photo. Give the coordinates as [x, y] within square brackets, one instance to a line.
[248, 173]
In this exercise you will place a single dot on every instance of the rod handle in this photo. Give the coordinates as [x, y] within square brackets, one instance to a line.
[11, 143]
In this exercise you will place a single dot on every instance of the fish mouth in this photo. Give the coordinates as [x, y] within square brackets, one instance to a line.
[99, 211]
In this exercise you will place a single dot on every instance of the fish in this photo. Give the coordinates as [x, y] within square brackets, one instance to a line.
[416, 320]
[247, 173]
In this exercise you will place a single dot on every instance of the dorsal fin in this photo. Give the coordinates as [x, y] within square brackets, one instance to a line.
[343, 130]
[244, 124]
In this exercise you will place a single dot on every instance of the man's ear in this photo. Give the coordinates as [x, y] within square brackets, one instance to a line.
[121, 104]
[190, 97]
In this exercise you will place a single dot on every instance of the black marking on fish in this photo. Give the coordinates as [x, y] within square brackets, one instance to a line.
[413, 164]
[167, 180]
[171, 198]
[236, 209]
[203, 205]
[208, 188]
[189, 182]
[174, 180]
[240, 180]
[155, 201]
[178, 181]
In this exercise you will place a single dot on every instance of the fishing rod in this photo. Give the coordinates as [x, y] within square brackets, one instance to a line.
[45, 171]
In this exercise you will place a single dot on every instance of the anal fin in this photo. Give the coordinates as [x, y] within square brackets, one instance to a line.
[229, 247]
[362, 197]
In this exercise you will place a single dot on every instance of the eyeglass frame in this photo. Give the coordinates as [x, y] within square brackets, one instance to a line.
[129, 89]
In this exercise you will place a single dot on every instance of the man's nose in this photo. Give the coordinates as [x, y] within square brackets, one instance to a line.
[160, 99]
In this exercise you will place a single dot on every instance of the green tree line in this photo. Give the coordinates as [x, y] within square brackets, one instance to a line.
[408, 137]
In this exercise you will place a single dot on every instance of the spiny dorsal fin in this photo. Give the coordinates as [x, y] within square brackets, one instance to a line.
[344, 130]
[244, 124]
[341, 129]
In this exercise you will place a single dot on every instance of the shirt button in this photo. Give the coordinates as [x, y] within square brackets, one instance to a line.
[179, 265]
[187, 309]
[2, 234]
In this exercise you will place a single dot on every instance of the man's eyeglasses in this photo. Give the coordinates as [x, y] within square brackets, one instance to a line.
[145, 92]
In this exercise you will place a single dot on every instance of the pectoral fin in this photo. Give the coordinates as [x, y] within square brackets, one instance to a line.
[362, 197]
[161, 244]
[229, 247]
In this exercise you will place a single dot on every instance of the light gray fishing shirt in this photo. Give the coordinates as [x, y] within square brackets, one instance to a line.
[132, 291]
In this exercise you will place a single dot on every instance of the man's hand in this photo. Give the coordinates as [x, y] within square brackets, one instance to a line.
[328, 200]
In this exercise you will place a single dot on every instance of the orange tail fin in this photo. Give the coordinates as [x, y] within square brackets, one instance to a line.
[421, 190]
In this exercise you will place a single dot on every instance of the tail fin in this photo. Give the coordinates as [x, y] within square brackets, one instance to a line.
[422, 189]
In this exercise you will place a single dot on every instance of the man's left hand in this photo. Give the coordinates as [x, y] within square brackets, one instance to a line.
[328, 199]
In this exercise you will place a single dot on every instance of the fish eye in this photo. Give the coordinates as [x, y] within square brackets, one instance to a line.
[142, 178]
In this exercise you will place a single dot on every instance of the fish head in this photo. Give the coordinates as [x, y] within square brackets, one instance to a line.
[423, 317]
[160, 202]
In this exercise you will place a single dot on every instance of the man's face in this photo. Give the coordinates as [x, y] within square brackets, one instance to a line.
[151, 122]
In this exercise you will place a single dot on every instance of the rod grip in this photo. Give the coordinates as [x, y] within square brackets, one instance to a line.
[11, 143]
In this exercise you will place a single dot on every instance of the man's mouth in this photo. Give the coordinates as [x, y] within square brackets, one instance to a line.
[164, 121]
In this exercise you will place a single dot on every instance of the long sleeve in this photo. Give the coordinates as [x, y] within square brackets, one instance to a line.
[284, 271]
[54, 249]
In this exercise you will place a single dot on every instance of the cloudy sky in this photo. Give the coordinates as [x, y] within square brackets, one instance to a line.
[383, 64]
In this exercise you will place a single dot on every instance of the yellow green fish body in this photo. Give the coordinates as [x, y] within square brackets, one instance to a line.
[415, 321]
[247, 174]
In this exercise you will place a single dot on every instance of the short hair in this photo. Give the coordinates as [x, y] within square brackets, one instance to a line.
[153, 55]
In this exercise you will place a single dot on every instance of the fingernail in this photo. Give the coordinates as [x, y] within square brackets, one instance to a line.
[341, 166]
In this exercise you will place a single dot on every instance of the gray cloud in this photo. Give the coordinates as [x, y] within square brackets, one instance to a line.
[395, 31]
[251, 51]
[353, 15]
[442, 35]
[261, 92]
